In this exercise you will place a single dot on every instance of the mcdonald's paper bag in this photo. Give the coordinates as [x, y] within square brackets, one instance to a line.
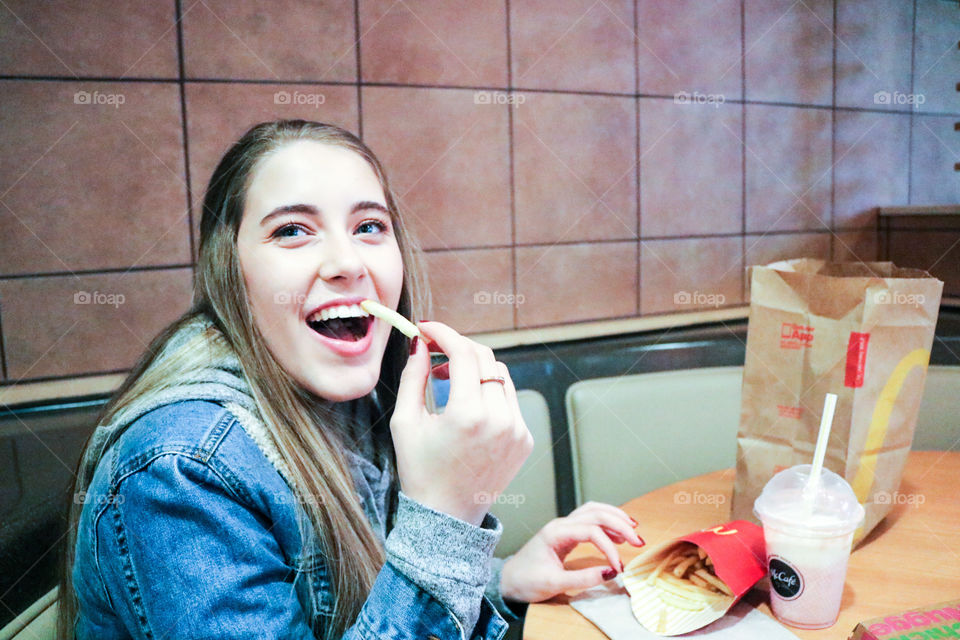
[860, 330]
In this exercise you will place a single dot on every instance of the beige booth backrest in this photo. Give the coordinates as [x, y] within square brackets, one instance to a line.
[633, 434]
[530, 501]
[39, 622]
[938, 423]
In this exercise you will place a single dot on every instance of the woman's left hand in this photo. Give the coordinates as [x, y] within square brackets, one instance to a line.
[536, 572]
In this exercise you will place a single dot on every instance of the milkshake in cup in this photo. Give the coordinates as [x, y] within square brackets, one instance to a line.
[808, 539]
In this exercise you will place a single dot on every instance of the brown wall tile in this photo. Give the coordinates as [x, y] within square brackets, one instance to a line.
[218, 114]
[874, 41]
[871, 166]
[93, 176]
[68, 325]
[788, 168]
[575, 171]
[937, 56]
[572, 283]
[855, 246]
[434, 42]
[578, 45]
[789, 50]
[91, 38]
[690, 168]
[448, 161]
[473, 289]
[690, 273]
[936, 148]
[764, 249]
[689, 45]
[281, 40]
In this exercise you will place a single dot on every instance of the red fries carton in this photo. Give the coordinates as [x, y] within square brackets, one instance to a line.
[932, 621]
[684, 584]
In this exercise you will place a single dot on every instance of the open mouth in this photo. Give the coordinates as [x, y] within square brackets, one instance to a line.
[348, 323]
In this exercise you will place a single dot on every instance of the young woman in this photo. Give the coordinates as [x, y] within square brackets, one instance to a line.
[271, 469]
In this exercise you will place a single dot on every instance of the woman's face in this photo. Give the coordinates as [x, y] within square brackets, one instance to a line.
[314, 240]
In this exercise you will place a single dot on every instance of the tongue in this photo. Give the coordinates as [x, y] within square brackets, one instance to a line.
[338, 329]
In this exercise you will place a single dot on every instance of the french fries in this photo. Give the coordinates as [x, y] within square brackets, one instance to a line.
[684, 578]
[391, 317]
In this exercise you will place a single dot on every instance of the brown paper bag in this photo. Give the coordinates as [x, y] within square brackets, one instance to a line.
[860, 330]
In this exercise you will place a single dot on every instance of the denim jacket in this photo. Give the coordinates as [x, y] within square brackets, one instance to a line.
[188, 531]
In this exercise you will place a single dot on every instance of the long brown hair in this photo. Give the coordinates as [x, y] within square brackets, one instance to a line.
[302, 426]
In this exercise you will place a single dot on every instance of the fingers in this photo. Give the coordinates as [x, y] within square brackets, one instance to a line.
[618, 529]
[464, 369]
[413, 382]
[603, 507]
[510, 392]
[568, 532]
[585, 578]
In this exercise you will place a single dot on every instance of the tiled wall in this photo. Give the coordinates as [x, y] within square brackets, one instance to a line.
[561, 160]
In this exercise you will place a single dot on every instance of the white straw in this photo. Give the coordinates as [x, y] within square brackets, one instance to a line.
[826, 420]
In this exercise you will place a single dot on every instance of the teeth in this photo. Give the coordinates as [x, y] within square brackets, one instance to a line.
[341, 311]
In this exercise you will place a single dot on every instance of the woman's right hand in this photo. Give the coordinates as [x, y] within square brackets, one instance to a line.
[458, 461]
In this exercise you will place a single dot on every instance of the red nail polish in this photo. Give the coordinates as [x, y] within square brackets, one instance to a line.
[621, 566]
[635, 523]
[642, 542]
[609, 573]
[413, 344]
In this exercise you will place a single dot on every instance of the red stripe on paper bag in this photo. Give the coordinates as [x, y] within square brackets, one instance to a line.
[856, 359]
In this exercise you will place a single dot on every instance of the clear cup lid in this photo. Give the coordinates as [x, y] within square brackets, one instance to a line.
[833, 510]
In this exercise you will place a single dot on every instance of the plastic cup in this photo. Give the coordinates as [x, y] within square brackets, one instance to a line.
[808, 545]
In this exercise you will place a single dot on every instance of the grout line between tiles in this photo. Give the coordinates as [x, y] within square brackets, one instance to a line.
[356, 36]
[515, 272]
[636, 145]
[833, 136]
[96, 272]
[3, 350]
[743, 143]
[399, 85]
[183, 123]
[754, 234]
[913, 72]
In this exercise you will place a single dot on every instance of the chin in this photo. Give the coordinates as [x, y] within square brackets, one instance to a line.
[343, 389]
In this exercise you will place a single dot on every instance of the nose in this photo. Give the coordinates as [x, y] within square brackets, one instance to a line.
[340, 261]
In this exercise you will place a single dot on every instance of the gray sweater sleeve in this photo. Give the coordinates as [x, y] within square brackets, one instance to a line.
[447, 557]
[510, 612]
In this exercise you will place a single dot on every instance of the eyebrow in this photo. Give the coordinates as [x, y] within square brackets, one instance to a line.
[308, 209]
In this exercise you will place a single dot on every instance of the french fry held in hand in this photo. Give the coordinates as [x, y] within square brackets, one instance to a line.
[391, 317]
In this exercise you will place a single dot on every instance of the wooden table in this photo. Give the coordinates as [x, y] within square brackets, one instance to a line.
[910, 559]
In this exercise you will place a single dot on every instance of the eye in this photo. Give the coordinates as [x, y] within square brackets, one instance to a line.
[372, 226]
[287, 231]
